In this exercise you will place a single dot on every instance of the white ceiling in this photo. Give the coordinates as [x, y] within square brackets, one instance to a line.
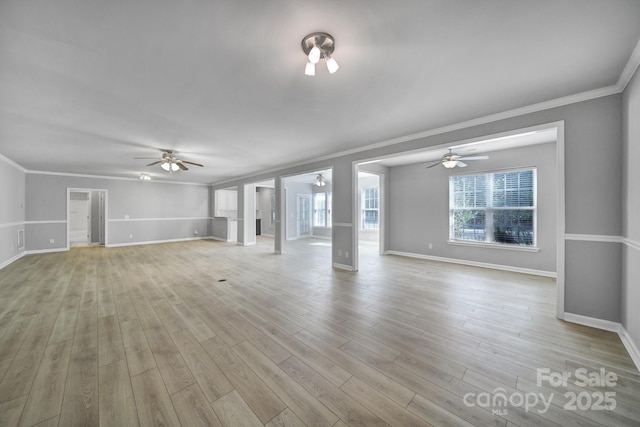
[85, 86]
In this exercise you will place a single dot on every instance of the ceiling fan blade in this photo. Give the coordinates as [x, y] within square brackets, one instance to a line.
[155, 163]
[461, 164]
[435, 164]
[145, 158]
[192, 163]
[474, 158]
[182, 166]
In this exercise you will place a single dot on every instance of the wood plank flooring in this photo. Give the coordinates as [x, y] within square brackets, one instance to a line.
[206, 333]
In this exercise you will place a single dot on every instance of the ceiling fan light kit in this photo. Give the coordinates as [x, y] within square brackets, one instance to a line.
[317, 46]
[170, 162]
[451, 160]
[320, 182]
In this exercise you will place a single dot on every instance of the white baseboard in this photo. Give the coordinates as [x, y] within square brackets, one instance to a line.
[343, 266]
[630, 346]
[45, 251]
[607, 325]
[476, 264]
[220, 239]
[153, 242]
[12, 260]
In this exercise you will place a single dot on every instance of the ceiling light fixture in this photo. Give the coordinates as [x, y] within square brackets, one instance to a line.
[169, 166]
[317, 46]
[320, 182]
[145, 176]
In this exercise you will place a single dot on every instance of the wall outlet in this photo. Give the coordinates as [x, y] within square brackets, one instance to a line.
[52, 241]
[195, 232]
[346, 254]
[339, 252]
[430, 245]
[131, 236]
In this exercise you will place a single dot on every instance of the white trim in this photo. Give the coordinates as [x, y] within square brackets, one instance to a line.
[541, 106]
[45, 251]
[631, 243]
[629, 69]
[79, 175]
[343, 266]
[12, 260]
[342, 224]
[502, 246]
[630, 346]
[12, 163]
[159, 219]
[11, 224]
[610, 326]
[476, 264]
[560, 219]
[53, 221]
[625, 76]
[603, 239]
[593, 322]
[153, 242]
[106, 211]
[594, 238]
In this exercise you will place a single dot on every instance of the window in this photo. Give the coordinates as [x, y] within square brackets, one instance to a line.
[322, 209]
[496, 207]
[370, 208]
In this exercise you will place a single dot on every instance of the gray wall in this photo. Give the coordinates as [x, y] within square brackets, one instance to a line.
[11, 211]
[137, 211]
[631, 209]
[419, 213]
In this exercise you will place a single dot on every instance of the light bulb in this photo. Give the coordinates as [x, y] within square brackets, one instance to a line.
[314, 55]
[310, 69]
[169, 166]
[332, 65]
[450, 164]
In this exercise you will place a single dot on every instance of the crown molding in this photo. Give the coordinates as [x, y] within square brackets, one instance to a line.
[12, 163]
[79, 175]
[627, 73]
[630, 69]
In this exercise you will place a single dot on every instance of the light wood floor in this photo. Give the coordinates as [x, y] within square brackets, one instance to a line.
[209, 333]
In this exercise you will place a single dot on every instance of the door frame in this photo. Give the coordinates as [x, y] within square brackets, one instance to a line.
[88, 220]
[104, 221]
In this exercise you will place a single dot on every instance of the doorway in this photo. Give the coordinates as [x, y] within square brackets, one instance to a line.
[79, 218]
[86, 217]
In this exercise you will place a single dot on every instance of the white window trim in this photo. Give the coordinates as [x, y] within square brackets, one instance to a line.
[504, 246]
[492, 244]
[327, 209]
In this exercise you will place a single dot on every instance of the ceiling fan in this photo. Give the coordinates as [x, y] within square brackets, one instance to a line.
[451, 160]
[170, 162]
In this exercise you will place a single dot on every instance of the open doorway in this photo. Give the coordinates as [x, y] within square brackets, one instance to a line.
[369, 212]
[307, 218]
[86, 217]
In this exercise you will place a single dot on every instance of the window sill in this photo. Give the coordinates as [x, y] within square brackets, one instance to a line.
[494, 246]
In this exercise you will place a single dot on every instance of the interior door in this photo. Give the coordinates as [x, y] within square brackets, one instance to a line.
[304, 215]
[79, 221]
